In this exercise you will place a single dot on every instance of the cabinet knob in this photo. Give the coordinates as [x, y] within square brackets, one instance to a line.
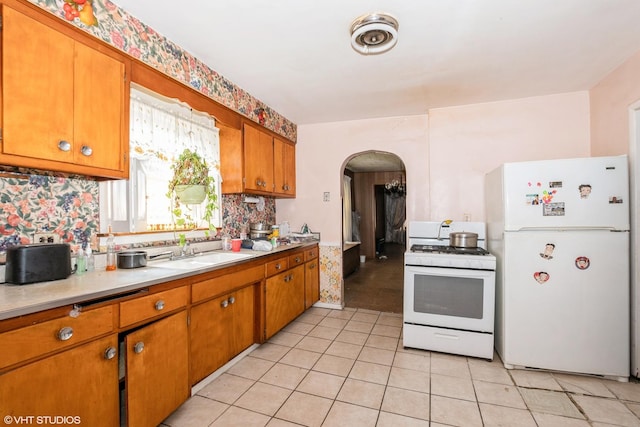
[312, 266]
[232, 300]
[159, 305]
[65, 333]
[285, 187]
[64, 145]
[224, 303]
[110, 353]
[298, 260]
[138, 347]
[86, 150]
[278, 266]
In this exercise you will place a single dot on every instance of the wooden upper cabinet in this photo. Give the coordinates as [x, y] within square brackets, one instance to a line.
[284, 167]
[65, 104]
[253, 161]
[258, 160]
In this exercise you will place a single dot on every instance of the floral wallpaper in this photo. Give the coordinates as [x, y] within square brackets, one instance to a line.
[69, 207]
[236, 213]
[331, 274]
[107, 22]
[65, 206]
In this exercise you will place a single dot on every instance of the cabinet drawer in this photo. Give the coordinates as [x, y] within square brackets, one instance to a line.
[277, 266]
[296, 259]
[310, 254]
[57, 334]
[223, 284]
[139, 309]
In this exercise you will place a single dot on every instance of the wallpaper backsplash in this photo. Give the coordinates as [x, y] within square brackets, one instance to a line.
[69, 207]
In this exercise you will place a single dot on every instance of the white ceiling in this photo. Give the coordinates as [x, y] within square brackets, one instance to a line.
[295, 55]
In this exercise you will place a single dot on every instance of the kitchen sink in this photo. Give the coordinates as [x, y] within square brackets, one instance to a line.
[201, 261]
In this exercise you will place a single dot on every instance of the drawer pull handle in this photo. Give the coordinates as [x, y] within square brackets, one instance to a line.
[86, 150]
[65, 333]
[110, 353]
[232, 300]
[64, 145]
[138, 347]
[159, 305]
[225, 303]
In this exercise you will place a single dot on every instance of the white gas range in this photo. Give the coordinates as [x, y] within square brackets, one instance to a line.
[449, 292]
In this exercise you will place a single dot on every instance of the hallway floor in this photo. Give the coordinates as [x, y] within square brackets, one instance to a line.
[378, 283]
[349, 368]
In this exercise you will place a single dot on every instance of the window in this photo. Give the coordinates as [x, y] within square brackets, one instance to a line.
[160, 129]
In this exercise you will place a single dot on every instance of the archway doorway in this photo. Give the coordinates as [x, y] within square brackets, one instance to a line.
[374, 212]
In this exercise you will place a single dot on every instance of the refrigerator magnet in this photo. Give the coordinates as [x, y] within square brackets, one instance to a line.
[614, 200]
[585, 190]
[541, 276]
[553, 209]
[533, 199]
[548, 251]
[582, 263]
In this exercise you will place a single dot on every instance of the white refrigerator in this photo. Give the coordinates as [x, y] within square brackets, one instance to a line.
[560, 232]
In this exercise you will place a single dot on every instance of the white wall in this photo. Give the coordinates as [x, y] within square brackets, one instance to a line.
[467, 142]
[321, 153]
[446, 153]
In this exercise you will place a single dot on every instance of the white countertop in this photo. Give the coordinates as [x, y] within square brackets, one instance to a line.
[18, 300]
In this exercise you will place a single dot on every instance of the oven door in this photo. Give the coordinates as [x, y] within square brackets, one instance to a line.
[449, 298]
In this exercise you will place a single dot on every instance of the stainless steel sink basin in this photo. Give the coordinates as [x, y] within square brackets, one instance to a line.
[201, 261]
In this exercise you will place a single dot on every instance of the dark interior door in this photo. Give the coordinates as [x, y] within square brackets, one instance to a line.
[380, 218]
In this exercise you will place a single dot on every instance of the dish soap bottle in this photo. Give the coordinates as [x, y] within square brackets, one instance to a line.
[111, 252]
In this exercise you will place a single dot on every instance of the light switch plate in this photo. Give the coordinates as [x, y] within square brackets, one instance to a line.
[46, 238]
[326, 197]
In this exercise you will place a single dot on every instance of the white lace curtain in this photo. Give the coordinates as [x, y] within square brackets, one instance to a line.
[160, 129]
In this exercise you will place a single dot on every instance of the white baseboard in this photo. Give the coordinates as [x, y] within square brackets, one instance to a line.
[327, 305]
[205, 381]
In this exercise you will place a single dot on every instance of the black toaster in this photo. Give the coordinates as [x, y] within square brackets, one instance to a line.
[37, 263]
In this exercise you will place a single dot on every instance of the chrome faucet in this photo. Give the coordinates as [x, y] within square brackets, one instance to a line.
[186, 250]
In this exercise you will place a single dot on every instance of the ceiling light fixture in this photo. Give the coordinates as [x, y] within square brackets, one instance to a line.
[374, 33]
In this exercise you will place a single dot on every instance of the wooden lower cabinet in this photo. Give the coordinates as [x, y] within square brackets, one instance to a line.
[311, 282]
[284, 299]
[221, 328]
[157, 370]
[80, 383]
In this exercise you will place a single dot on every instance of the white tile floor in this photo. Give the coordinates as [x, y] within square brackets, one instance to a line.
[348, 368]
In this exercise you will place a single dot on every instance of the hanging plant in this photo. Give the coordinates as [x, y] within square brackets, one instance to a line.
[191, 174]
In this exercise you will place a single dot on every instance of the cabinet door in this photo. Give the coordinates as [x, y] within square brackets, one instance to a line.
[258, 158]
[211, 328]
[99, 107]
[37, 85]
[220, 330]
[244, 321]
[81, 382]
[284, 167]
[311, 283]
[157, 361]
[284, 299]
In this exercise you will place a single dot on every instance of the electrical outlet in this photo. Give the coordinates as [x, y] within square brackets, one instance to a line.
[327, 196]
[46, 238]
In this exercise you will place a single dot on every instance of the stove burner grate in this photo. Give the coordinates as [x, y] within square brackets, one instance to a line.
[438, 249]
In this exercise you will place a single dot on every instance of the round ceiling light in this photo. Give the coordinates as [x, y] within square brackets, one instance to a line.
[374, 33]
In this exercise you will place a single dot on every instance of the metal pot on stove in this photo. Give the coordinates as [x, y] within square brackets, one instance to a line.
[463, 239]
